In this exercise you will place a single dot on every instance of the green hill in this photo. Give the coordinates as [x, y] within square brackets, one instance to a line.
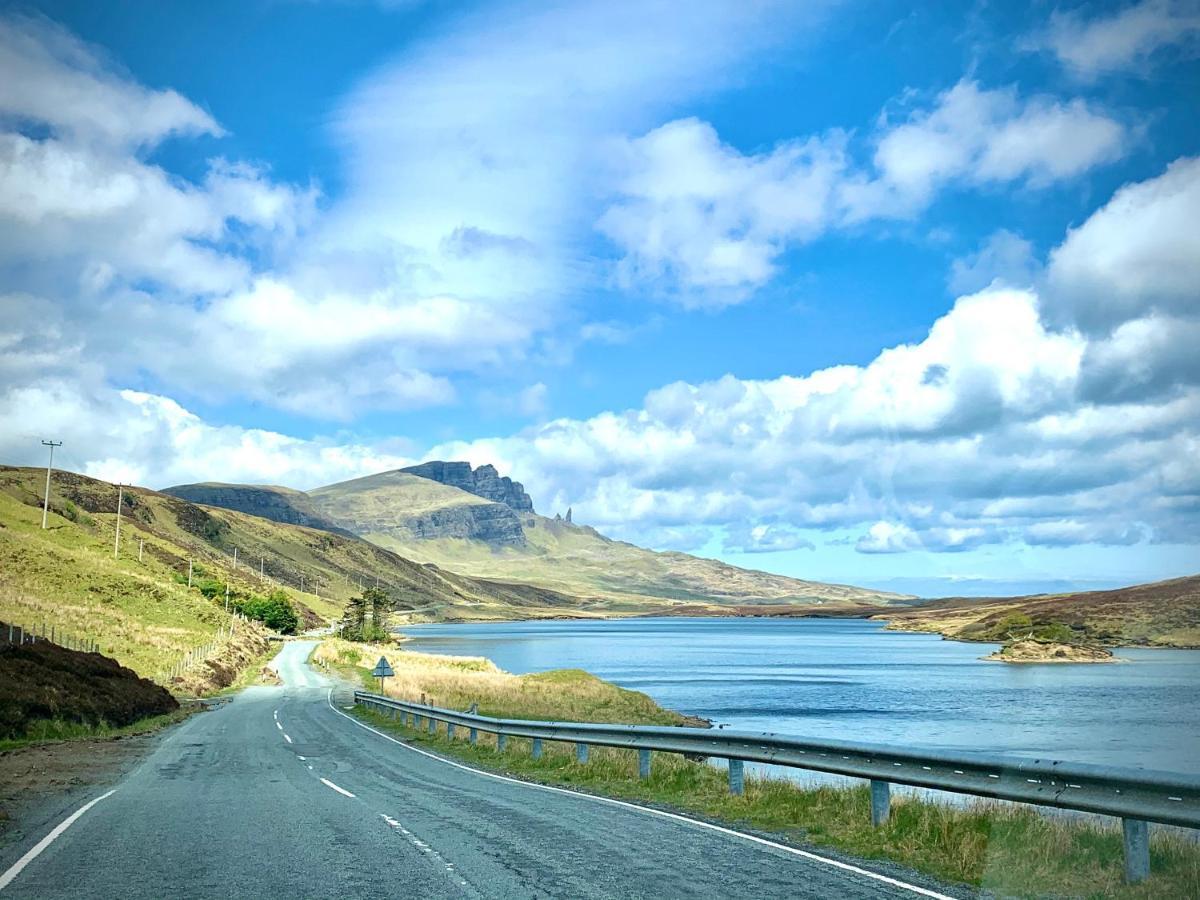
[137, 604]
[431, 522]
[1160, 614]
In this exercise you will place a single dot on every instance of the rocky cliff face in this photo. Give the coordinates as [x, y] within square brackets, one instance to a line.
[490, 522]
[278, 505]
[483, 482]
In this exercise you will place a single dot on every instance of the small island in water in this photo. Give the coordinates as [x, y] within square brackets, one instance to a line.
[1031, 650]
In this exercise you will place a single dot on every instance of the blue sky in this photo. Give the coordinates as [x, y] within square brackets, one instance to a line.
[846, 291]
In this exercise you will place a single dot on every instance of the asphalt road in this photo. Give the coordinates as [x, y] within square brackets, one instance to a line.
[279, 794]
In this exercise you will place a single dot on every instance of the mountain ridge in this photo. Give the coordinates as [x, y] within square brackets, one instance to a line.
[432, 520]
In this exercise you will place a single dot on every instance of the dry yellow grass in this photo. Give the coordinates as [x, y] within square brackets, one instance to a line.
[459, 681]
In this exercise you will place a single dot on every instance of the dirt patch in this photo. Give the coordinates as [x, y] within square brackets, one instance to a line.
[42, 681]
[40, 785]
[225, 666]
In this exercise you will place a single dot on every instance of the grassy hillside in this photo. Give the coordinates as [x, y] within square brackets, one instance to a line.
[613, 576]
[372, 498]
[1162, 614]
[142, 611]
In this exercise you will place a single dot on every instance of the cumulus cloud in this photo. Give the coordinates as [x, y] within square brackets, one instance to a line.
[1128, 38]
[888, 537]
[452, 250]
[151, 440]
[766, 538]
[706, 222]
[978, 434]
[48, 76]
[1139, 253]
[968, 437]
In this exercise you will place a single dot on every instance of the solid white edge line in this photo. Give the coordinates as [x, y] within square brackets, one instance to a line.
[340, 790]
[15, 869]
[795, 851]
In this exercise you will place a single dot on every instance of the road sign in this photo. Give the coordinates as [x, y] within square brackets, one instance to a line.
[381, 671]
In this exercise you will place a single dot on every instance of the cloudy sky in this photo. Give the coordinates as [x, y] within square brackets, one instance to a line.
[843, 290]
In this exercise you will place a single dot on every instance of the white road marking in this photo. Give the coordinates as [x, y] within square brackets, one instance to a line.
[15, 869]
[302, 758]
[287, 737]
[795, 851]
[330, 784]
[310, 768]
[280, 727]
[423, 847]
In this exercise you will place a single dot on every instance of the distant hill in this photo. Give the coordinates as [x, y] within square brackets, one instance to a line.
[142, 611]
[426, 513]
[1161, 614]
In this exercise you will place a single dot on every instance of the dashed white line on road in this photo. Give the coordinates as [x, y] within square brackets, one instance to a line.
[15, 869]
[697, 823]
[423, 847]
[277, 725]
[287, 737]
[340, 790]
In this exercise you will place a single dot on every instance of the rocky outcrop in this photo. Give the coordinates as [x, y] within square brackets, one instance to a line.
[276, 504]
[1031, 651]
[493, 523]
[483, 482]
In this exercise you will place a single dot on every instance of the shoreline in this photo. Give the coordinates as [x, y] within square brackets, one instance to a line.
[856, 614]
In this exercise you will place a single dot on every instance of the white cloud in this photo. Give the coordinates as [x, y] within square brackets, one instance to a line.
[151, 440]
[1125, 39]
[1137, 254]
[701, 214]
[1004, 258]
[49, 76]
[706, 223]
[453, 249]
[766, 538]
[888, 537]
[969, 437]
[979, 137]
[979, 434]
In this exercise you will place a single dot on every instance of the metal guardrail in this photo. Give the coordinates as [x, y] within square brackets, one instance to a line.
[1135, 796]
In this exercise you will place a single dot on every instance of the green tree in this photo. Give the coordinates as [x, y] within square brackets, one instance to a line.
[365, 618]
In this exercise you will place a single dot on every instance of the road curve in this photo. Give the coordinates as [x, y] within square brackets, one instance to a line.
[278, 793]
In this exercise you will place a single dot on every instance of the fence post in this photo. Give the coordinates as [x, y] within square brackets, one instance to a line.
[881, 802]
[581, 753]
[537, 748]
[1137, 850]
[501, 742]
[737, 782]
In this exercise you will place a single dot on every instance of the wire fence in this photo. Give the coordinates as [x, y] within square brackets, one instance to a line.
[12, 633]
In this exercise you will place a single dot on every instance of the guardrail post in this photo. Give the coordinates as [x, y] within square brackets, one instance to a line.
[416, 721]
[537, 748]
[501, 742]
[643, 764]
[432, 725]
[1137, 850]
[881, 802]
[473, 734]
[450, 729]
[581, 753]
[737, 783]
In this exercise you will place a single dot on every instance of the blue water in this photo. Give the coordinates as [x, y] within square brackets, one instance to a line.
[847, 679]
